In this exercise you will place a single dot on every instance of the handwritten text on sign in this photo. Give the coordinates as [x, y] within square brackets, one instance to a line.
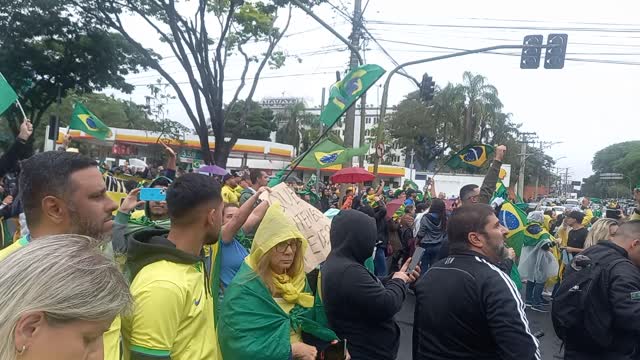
[310, 222]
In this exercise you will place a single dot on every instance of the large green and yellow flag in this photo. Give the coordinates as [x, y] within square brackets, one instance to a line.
[473, 156]
[511, 217]
[328, 153]
[346, 91]
[7, 95]
[84, 120]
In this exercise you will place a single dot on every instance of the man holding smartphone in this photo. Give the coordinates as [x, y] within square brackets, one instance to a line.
[156, 213]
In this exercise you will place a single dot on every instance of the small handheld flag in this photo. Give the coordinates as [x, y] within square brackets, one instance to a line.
[473, 156]
[7, 95]
[348, 90]
[84, 120]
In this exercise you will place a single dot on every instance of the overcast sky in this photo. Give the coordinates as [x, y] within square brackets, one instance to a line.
[587, 106]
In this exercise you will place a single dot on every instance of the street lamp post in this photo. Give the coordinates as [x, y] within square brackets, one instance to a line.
[385, 92]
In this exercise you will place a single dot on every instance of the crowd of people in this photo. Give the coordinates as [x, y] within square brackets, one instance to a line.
[215, 270]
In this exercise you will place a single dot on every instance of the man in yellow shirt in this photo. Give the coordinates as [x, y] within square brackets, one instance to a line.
[588, 213]
[64, 193]
[229, 193]
[173, 315]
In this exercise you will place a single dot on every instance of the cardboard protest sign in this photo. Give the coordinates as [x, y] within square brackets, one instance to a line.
[310, 221]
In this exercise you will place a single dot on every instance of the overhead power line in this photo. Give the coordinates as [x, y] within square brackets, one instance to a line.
[541, 28]
[261, 77]
[602, 61]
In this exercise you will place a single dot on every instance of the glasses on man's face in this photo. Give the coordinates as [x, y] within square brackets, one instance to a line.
[282, 247]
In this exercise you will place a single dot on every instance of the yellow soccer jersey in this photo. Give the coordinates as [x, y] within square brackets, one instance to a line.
[173, 314]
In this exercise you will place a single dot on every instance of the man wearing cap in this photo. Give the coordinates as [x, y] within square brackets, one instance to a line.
[229, 194]
[578, 233]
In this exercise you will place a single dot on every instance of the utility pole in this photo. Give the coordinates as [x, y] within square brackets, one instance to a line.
[350, 117]
[543, 145]
[324, 91]
[413, 153]
[523, 160]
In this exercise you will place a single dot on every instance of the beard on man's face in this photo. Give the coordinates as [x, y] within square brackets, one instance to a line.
[84, 225]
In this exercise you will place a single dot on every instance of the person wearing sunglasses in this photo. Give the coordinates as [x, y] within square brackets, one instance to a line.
[269, 306]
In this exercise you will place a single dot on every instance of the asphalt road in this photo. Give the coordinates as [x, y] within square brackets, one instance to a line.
[549, 343]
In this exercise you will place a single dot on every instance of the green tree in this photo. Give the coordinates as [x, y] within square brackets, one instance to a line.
[623, 158]
[258, 125]
[203, 54]
[482, 104]
[46, 50]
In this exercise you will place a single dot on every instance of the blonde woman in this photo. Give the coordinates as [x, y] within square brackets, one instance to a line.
[603, 229]
[268, 305]
[59, 295]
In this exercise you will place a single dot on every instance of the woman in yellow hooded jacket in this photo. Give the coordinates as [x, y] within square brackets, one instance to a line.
[268, 305]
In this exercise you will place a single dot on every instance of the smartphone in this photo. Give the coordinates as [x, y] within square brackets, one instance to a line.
[337, 351]
[415, 259]
[153, 194]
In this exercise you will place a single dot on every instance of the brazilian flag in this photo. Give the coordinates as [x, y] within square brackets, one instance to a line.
[533, 233]
[348, 90]
[512, 218]
[328, 153]
[84, 120]
[472, 157]
[501, 191]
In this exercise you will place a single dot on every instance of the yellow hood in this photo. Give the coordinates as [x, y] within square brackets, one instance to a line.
[274, 229]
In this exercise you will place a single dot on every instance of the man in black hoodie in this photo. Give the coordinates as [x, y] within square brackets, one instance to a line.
[174, 312]
[359, 306]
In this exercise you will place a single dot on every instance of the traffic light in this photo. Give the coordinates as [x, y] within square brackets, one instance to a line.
[554, 58]
[427, 88]
[531, 52]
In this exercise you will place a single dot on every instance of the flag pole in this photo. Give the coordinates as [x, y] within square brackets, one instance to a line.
[304, 154]
[21, 109]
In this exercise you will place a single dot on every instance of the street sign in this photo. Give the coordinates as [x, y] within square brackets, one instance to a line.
[611, 176]
[576, 183]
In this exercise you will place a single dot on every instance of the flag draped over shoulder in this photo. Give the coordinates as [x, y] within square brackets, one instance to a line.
[346, 91]
[473, 156]
[328, 153]
[84, 120]
[7, 95]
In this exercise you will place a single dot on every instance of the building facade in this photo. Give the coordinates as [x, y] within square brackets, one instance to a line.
[394, 155]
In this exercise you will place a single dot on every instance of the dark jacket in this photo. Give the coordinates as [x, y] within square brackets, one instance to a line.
[359, 306]
[325, 203]
[382, 238]
[431, 231]
[9, 160]
[467, 308]
[489, 184]
[623, 281]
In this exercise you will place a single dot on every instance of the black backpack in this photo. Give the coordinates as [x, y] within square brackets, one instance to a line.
[580, 308]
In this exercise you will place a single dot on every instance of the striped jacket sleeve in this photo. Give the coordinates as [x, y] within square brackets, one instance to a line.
[506, 317]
